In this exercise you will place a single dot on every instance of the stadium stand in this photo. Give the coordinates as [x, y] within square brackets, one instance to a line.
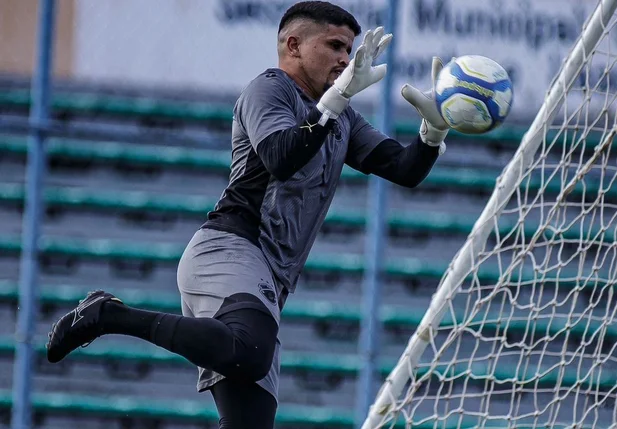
[118, 216]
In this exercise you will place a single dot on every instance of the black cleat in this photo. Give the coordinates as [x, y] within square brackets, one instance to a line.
[79, 327]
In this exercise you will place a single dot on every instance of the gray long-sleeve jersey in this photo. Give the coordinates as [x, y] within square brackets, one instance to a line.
[284, 217]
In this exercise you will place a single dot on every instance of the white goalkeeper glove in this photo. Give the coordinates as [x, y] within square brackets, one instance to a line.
[433, 129]
[357, 76]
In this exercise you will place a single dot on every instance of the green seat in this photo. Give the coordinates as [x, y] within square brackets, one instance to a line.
[314, 311]
[144, 407]
[183, 157]
[295, 310]
[198, 206]
[340, 365]
[99, 104]
[146, 108]
[112, 152]
[339, 264]
[467, 180]
[139, 107]
[195, 411]
[291, 362]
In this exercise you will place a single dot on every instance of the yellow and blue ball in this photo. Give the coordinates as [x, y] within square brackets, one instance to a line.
[473, 94]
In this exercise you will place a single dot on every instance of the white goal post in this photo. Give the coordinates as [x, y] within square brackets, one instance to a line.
[533, 345]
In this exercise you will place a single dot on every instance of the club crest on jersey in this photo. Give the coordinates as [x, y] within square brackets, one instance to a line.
[336, 132]
[267, 290]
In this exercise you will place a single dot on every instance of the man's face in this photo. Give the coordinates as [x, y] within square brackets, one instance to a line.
[325, 54]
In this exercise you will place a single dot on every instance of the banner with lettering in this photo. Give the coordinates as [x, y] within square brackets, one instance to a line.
[220, 45]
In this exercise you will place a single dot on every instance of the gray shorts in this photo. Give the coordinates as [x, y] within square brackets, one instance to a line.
[218, 264]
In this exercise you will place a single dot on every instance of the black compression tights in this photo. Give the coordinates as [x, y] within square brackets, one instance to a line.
[243, 405]
[239, 344]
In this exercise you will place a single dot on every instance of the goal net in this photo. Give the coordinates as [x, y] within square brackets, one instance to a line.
[522, 330]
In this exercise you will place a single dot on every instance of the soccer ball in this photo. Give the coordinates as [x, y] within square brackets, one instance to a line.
[473, 94]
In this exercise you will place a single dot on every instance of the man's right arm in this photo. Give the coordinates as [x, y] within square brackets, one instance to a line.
[284, 144]
[267, 114]
[286, 151]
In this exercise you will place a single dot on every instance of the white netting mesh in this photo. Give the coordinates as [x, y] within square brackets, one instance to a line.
[529, 339]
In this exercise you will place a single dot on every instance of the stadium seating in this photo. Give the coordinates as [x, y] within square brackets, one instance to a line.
[84, 104]
[130, 409]
[320, 313]
[118, 216]
[77, 198]
[145, 409]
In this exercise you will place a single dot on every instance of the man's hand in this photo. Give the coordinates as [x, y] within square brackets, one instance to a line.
[357, 76]
[360, 73]
[433, 129]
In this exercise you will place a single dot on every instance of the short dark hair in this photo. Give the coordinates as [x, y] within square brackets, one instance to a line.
[321, 12]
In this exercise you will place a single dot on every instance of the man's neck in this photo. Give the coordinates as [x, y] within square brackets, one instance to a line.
[301, 82]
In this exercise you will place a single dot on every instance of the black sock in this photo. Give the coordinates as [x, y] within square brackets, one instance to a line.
[247, 349]
[151, 326]
[202, 341]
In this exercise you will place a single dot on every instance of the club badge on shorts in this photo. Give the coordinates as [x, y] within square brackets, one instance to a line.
[268, 291]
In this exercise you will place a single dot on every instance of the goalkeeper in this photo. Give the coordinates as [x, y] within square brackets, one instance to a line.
[293, 131]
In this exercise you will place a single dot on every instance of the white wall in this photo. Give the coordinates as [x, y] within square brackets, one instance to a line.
[218, 45]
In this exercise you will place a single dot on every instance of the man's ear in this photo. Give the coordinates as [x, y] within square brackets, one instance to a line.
[293, 46]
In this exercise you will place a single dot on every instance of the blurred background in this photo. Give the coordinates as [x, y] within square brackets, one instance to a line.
[127, 108]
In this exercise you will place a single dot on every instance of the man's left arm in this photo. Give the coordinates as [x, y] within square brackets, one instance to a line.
[372, 152]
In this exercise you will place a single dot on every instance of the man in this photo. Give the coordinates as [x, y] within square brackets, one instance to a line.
[292, 132]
